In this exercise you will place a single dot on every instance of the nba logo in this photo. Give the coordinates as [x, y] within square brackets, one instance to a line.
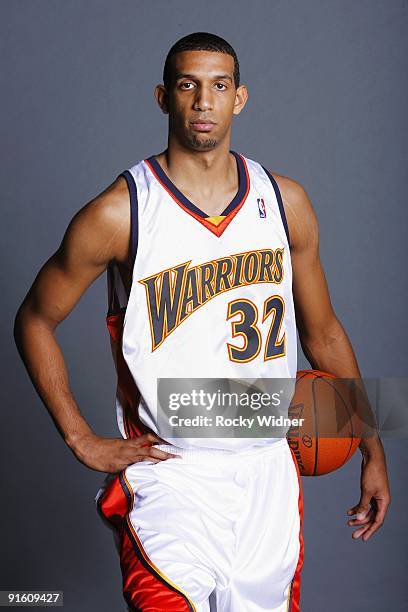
[261, 208]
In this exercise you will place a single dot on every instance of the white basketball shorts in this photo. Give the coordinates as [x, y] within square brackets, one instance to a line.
[215, 521]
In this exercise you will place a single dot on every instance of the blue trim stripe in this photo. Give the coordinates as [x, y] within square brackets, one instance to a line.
[280, 203]
[134, 220]
[242, 187]
[290, 596]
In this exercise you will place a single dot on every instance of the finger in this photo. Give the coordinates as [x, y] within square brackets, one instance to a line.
[362, 507]
[356, 523]
[141, 458]
[368, 519]
[144, 440]
[372, 529]
[359, 532]
[156, 453]
[379, 518]
[361, 512]
[139, 454]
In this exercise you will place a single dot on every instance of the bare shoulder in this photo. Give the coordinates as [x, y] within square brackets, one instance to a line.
[101, 227]
[299, 211]
[98, 233]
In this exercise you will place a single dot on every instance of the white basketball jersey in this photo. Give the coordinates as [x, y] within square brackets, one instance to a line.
[211, 297]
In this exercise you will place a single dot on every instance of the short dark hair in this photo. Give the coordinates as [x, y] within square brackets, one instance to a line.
[199, 41]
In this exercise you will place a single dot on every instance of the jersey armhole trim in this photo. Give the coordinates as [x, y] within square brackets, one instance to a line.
[134, 221]
[280, 202]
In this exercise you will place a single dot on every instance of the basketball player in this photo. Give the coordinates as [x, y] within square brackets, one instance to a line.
[209, 256]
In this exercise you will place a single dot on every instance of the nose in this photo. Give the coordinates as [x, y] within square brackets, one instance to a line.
[203, 99]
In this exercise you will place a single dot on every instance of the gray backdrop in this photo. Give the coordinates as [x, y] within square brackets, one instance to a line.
[327, 106]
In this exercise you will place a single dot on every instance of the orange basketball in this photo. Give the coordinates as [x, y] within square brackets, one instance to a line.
[330, 431]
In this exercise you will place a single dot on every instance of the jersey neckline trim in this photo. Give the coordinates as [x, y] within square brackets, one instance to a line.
[229, 212]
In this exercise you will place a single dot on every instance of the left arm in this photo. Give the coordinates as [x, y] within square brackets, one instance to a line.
[327, 346]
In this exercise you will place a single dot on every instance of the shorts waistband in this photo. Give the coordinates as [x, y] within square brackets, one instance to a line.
[202, 453]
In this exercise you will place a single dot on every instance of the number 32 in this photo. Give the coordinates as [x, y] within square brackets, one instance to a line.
[274, 307]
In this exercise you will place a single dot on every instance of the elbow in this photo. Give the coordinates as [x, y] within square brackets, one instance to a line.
[18, 324]
[324, 337]
[22, 318]
[28, 321]
[332, 333]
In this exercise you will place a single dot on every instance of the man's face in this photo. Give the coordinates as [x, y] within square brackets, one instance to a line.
[202, 98]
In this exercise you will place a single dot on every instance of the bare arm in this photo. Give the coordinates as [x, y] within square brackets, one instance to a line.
[325, 342]
[97, 234]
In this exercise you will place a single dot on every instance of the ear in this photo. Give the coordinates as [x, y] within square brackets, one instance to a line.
[241, 96]
[160, 93]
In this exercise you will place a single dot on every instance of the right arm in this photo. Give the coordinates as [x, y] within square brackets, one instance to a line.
[97, 234]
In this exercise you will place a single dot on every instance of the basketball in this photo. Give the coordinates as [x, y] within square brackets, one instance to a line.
[330, 431]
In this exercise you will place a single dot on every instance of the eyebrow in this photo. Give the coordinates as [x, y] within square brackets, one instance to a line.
[183, 75]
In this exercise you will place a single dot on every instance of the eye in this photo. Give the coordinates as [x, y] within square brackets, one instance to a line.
[222, 85]
[186, 83]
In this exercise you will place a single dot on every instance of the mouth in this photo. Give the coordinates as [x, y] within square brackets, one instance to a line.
[202, 125]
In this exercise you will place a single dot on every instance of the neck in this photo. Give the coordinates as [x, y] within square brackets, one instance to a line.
[206, 170]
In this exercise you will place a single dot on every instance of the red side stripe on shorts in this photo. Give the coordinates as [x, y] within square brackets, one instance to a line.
[294, 597]
[113, 503]
[145, 587]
